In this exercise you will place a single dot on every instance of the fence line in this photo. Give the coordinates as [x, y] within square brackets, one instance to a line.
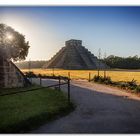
[67, 82]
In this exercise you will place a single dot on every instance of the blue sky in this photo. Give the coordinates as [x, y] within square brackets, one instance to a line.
[116, 30]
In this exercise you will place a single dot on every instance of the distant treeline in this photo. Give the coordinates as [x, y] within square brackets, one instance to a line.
[112, 61]
[123, 63]
[30, 64]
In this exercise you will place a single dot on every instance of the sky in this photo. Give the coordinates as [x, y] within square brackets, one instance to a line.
[116, 30]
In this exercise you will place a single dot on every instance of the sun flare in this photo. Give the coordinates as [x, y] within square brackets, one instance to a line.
[9, 36]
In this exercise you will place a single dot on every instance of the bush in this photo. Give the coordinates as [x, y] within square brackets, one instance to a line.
[127, 85]
[96, 78]
[30, 74]
[39, 75]
[137, 89]
[132, 83]
[108, 80]
[123, 85]
[101, 79]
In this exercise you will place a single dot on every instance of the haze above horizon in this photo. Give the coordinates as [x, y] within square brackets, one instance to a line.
[116, 30]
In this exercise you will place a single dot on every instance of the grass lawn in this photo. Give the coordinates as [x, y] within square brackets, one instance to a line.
[22, 112]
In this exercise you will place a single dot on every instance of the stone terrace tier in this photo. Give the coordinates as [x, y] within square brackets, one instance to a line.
[74, 56]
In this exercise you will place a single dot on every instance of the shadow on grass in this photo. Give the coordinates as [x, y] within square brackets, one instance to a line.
[21, 113]
[36, 121]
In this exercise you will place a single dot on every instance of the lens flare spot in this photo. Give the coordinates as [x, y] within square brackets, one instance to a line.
[9, 36]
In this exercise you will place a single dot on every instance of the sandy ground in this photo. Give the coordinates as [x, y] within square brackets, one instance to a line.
[100, 109]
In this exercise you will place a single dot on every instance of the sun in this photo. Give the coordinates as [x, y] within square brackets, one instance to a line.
[9, 36]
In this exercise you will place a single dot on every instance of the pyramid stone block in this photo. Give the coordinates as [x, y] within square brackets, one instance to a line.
[74, 56]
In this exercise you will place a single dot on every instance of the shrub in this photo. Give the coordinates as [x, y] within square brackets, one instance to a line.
[123, 85]
[101, 79]
[127, 85]
[39, 75]
[30, 74]
[96, 78]
[107, 80]
[132, 83]
[137, 89]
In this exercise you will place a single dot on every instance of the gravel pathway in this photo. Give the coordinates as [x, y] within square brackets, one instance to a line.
[100, 109]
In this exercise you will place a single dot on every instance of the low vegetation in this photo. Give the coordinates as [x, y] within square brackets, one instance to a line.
[20, 113]
[101, 79]
[127, 85]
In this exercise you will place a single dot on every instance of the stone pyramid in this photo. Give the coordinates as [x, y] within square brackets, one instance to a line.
[74, 56]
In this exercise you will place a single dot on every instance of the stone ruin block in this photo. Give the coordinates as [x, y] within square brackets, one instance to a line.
[10, 75]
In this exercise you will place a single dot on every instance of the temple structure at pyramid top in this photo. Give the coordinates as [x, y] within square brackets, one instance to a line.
[73, 42]
[74, 56]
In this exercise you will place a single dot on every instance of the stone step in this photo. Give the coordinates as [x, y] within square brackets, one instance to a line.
[74, 57]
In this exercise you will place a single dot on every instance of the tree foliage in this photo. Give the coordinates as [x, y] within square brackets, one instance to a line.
[12, 43]
[123, 63]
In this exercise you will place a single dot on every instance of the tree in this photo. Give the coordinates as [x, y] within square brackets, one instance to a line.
[123, 62]
[12, 43]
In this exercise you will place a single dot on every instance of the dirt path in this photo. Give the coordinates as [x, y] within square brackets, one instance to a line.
[100, 109]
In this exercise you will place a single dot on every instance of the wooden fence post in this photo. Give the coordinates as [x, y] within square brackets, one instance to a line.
[69, 75]
[89, 77]
[104, 73]
[68, 90]
[53, 71]
[59, 83]
[40, 81]
[98, 72]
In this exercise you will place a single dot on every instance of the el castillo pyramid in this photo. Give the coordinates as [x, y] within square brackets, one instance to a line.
[74, 56]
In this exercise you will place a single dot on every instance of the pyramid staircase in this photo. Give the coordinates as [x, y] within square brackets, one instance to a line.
[74, 56]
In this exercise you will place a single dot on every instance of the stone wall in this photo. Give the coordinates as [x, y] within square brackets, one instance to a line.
[10, 75]
[1, 73]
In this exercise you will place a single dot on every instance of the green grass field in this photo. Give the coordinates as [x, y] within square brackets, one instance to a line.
[22, 112]
[116, 75]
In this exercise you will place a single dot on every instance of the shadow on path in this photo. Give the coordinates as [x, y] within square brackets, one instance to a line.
[96, 112]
